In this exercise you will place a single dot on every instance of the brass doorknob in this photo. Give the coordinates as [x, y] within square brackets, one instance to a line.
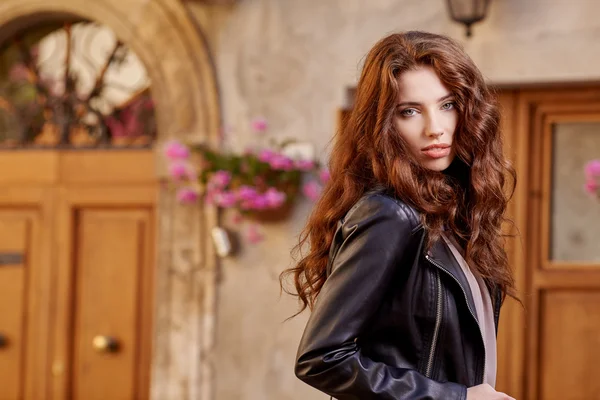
[3, 341]
[105, 344]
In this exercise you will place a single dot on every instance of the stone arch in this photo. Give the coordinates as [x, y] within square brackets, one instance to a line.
[183, 84]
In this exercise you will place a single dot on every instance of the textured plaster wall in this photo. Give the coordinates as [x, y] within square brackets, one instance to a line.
[290, 61]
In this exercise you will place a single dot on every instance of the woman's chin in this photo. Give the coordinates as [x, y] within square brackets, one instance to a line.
[437, 164]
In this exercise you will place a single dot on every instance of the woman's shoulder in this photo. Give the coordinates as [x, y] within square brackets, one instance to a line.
[380, 204]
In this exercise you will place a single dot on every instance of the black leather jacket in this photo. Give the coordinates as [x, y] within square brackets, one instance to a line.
[392, 321]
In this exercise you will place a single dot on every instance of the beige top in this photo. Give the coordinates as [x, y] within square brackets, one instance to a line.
[484, 311]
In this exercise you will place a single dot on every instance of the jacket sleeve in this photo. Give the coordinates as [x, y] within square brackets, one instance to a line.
[375, 235]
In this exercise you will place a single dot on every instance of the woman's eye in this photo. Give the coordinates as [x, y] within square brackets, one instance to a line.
[448, 106]
[409, 112]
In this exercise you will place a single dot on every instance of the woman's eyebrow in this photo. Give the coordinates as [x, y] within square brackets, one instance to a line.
[414, 103]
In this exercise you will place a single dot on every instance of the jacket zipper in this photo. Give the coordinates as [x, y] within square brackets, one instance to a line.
[468, 306]
[438, 320]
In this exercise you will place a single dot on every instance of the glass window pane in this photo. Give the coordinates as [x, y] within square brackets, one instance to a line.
[100, 99]
[575, 215]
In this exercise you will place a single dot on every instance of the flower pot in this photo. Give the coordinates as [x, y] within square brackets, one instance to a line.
[271, 215]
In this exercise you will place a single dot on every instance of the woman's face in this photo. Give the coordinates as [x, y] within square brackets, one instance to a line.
[426, 117]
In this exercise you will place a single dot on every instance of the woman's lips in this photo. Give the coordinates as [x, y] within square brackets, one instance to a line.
[437, 151]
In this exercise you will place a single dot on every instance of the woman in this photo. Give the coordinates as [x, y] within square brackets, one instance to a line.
[406, 271]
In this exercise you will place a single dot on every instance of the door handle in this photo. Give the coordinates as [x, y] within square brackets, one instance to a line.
[105, 344]
[11, 258]
[3, 341]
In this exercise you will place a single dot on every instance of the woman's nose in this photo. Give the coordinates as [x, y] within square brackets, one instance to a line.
[434, 127]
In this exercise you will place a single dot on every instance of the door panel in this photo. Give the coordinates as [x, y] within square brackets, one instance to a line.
[103, 292]
[15, 228]
[569, 344]
[112, 253]
[25, 290]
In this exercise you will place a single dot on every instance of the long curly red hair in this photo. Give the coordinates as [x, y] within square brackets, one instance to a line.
[368, 152]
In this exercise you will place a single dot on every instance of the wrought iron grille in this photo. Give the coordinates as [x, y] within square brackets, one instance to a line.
[73, 85]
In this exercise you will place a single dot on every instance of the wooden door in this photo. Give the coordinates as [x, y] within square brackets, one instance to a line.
[110, 327]
[104, 311]
[550, 350]
[76, 262]
[105, 233]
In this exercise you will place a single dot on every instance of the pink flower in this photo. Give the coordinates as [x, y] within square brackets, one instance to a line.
[180, 170]
[225, 199]
[282, 163]
[266, 156]
[176, 150]
[246, 193]
[219, 179]
[115, 127]
[274, 197]
[324, 176]
[130, 121]
[259, 202]
[312, 190]
[591, 187]
[187, 195]
[592, 169]
[253, 235]
[305, 165]
[259, 125]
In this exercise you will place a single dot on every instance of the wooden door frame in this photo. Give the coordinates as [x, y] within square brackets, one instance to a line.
[37, 304]
[526, 112]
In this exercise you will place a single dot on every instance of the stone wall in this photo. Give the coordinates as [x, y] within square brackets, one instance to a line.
[291, 62]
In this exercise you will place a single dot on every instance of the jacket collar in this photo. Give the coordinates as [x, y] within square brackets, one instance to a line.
[443, 258]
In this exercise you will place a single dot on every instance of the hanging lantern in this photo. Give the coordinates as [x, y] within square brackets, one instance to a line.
[468, 12]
